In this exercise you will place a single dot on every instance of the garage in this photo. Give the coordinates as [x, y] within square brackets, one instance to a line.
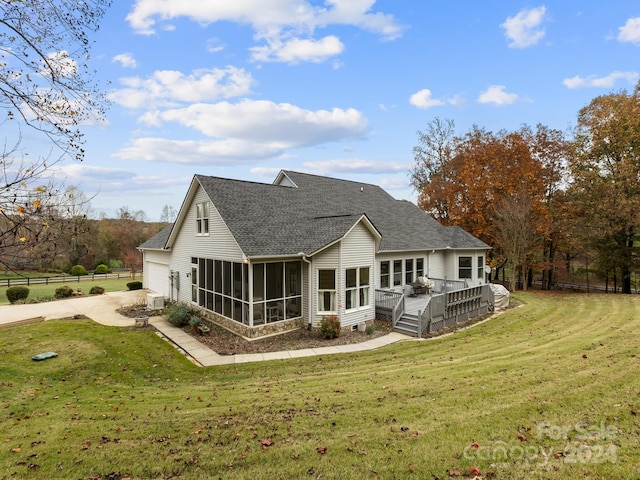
[156, 277]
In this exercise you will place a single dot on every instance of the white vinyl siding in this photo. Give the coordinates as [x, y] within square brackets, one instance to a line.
[218, 244]
[358, 252]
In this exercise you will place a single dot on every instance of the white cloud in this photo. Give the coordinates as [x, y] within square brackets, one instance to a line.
[298, 50]
[126, 60]
[630, 31]
[607, 81]
[199, 152]
[524, 29]
[496, 94]
[287, 26]
[355, 165]
[266, 121]
[423, 99]
[168, 87]
[245, 132]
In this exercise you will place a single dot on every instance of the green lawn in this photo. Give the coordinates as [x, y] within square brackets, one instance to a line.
[550, 390]
[47, 290]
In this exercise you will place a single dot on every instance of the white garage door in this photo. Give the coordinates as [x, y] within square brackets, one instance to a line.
[158, 278]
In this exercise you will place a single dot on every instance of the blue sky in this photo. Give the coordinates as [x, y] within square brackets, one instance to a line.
[245, 88]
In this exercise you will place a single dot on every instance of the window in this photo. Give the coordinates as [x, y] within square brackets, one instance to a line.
[419, 267]
[326, 290]
[357, 287]
[464, 267]
[408, 271]
[384, 274]
[481, 268]
[397, 273]
[202, 218]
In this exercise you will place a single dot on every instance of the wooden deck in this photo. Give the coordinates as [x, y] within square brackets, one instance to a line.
[413, 305]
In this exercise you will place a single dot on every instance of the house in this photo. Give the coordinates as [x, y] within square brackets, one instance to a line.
[264, 258]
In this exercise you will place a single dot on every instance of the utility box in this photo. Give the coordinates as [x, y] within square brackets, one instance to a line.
[155, 301]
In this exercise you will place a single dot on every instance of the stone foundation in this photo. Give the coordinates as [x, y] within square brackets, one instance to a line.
[282, 326]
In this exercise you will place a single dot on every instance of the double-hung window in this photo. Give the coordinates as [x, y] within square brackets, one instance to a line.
[327, 290]
[357, 287]
[464, 267]
[481, 268]
[202, 218]
[385, 271]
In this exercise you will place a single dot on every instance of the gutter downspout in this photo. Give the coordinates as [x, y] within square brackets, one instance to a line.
[303, 257]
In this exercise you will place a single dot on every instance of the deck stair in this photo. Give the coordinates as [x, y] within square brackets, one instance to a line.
[407, 325]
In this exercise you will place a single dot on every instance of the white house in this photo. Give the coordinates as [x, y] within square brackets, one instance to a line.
[263, 258]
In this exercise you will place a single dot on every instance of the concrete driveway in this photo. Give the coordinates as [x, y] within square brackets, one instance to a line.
[100, 308]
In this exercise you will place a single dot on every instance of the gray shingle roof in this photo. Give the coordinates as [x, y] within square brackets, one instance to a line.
[275, 220]
[158, 241]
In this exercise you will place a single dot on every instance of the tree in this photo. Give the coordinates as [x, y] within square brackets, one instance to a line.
[516, 233]
[130, 230]
[168, 214]
[45, 80]
[606, 179]
[45, 84]
[432, 170]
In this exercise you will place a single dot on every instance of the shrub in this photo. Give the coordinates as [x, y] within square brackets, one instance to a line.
[329, 327]
[78, 270]
[179, 315]
[194, 320]
[64, 292]
[135, 285]
[96, 290]
[17, 293]
[102, 268]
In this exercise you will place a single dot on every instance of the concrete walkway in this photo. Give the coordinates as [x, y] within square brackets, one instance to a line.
[102, 309]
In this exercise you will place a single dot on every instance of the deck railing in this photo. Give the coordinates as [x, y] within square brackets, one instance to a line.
[390, 305]
[449, 308]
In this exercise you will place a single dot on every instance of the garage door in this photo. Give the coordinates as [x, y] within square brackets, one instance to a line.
[158, 278]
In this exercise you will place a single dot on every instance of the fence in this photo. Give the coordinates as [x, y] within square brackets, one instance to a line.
[63, 279]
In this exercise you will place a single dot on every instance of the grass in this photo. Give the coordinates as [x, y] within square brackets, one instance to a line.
[47, 290]
[550, 390]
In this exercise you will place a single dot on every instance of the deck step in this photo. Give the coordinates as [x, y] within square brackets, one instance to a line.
[407, 325]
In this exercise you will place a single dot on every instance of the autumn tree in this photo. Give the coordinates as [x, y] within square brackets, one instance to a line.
[130, 231]
[46, 85]
[606, 179]
[45, 77]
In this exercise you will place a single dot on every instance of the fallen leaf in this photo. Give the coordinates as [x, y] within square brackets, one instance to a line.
[475, 471]
[453, 473]
[475, 445]
[522, 437]
[585, 356]
[16, 450]
[321, 450]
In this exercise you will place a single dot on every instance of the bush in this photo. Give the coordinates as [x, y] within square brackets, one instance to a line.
[78, 270]
[96, 290]
[136, 285]
[194, 320]
[102, 268]
[17, 293]
[64, 292]
[329, 327]
[179, 315]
